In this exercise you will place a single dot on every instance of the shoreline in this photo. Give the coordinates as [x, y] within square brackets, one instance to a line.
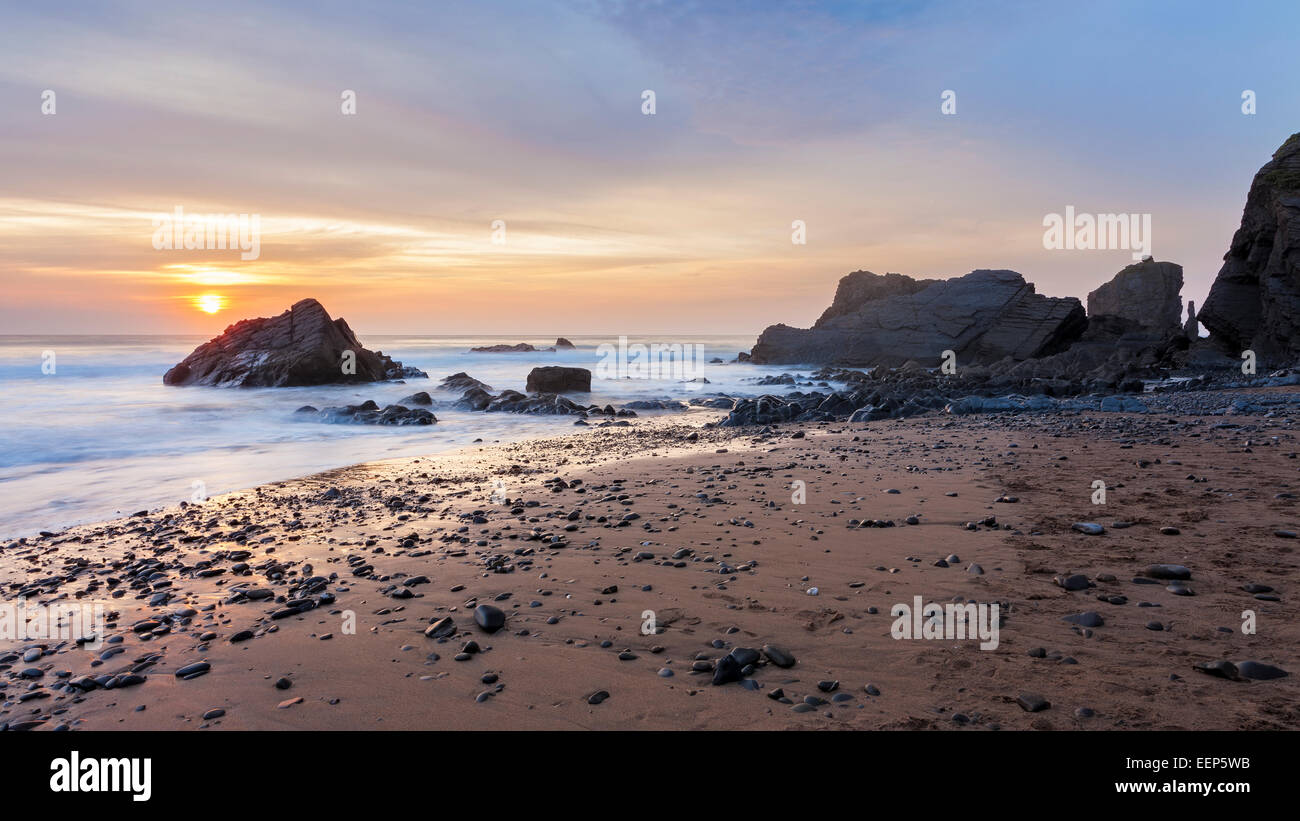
[751, 555]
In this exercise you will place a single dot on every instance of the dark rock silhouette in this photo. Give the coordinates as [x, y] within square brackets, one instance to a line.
[983, 317]
[301, 346]
[1254, 303]
[1148, 293]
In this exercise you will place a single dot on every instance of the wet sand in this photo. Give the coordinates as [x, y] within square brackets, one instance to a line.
[746, 556]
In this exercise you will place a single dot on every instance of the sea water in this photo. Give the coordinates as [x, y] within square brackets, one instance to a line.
[88, 430]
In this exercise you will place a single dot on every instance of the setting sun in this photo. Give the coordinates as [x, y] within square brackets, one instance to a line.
[210, 303]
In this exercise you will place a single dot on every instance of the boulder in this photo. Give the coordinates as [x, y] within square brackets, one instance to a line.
[562, 344]
[1254, 303]
[983, 317]
[558, 379]
[417, 398]
[462, 382]
[1148, 293]
[301, 346]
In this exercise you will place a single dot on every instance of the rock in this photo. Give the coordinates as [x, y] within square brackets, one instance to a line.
[1077, 581]
[1088, 619]
[1260, 671]
[558, 379]
[522, 347]
[368, 413]
[1146, 293]
[301, 346]
[1218, 669]
[490, 618]
[1090, 528]
[194, 670]
[1168, 571]
[442, 628]
[982, 317]
[1190, 329]
[777, 656]
[1254, 302]
[562, 344]
[418, 398]
[1032, 702]
[462, 382]
[597, 697]
[727, 670]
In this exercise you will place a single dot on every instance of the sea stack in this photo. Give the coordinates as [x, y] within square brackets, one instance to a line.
[302, 346]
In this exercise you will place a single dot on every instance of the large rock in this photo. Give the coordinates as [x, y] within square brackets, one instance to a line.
[301, 346]
[860, 287]
[558, 379]
[1147, 293]
[982, 317]
[1254, 303]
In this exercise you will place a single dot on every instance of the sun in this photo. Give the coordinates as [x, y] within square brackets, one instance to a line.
[210, 303]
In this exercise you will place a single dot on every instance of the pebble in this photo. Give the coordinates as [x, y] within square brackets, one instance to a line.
[1087, 619]
[1032, 702]
[490, 618]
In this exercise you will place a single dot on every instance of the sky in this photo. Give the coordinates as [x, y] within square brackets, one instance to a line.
[615, 221]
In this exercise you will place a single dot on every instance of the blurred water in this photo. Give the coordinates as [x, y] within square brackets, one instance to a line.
[102, 436]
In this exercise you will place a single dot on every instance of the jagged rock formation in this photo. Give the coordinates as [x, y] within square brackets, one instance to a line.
[982, 317]
[1146, 293]
[860, 287]
[522, 347]
[301, 346]
[1189, 327]
[1254, 303]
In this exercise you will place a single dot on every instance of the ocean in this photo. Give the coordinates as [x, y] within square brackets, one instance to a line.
[100, 436]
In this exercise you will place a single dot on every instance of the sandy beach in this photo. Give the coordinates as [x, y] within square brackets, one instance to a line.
[310, 600]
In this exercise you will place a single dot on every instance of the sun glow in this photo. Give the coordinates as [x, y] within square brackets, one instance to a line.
[210, 303]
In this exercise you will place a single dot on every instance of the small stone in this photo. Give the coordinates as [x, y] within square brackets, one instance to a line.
[777, 656]
[441, 628]
[1169, 571]
[1032, 702]
[1087, 619]
[1088, 528]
